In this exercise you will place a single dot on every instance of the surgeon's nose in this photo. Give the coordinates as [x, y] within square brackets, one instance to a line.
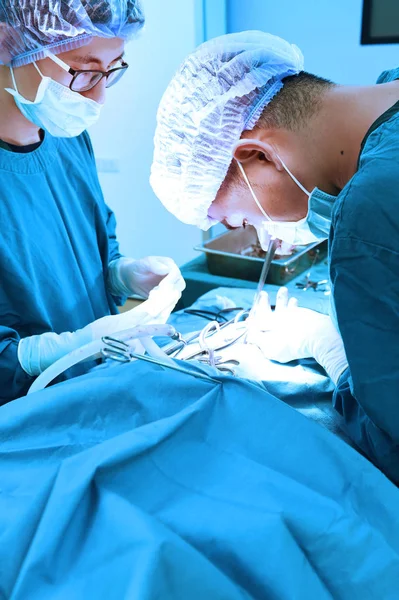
[98, 93]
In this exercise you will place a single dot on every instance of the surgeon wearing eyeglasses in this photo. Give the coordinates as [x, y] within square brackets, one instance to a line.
[61, 269]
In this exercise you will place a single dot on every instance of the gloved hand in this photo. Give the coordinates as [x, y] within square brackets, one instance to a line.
[129, 276]
[290, 333]
[37, 352]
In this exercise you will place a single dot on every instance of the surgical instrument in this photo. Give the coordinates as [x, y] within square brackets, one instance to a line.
[221, 346]
[308, 283]
[175, 349]
[212, 315]
[94, 349]
[273, 244]
[314, 285]
[118, 347]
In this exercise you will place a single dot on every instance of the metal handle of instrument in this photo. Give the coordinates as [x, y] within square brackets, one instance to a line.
[274, 242]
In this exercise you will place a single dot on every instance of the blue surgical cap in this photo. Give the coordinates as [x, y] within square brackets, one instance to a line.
[30, 27]
[218, 92]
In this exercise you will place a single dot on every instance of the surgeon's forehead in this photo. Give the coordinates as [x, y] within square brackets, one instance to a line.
[99, 51]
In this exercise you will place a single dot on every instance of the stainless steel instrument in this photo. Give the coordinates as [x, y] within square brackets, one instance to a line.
[228, 255]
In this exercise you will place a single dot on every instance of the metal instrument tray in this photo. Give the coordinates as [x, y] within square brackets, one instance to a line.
[225, 256]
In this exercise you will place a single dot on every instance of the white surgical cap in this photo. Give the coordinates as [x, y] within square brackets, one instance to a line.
[218, 92]
[30, 27]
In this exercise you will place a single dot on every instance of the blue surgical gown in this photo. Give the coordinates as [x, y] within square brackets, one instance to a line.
[57, 240]
[364, 269]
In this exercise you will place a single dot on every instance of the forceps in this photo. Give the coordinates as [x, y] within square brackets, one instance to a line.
[208, 355]
[265, 268]
[308, 284]
[182, 342]
[120, 351]
[314, 285]
[175, 349]
[222, 365]
[210, 330]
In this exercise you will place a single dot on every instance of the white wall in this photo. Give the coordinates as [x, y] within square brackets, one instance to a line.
[123, 139]
[327, 32]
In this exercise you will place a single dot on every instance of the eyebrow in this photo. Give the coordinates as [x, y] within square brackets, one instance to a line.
[89, 58]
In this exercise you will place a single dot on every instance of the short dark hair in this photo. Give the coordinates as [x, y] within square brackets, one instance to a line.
[296, 103]
[291, 108]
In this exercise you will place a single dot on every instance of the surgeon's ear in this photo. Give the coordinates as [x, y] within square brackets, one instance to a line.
[249, 150]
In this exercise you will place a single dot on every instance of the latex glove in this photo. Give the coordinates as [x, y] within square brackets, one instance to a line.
[37, 352]
[129, 276]
[290, 333]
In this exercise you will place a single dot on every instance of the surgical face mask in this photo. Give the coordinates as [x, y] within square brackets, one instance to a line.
[58, 110]
[314, 227]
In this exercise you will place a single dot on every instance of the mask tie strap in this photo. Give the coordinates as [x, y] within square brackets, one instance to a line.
[13, 76]
[252, 192]
[294, 178]
[38, 70]
[13, 80]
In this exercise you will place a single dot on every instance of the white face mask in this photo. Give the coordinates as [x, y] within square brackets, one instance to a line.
[314, 227]
[56, 108]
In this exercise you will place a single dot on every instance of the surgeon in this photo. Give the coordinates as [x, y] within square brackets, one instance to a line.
[62, 274]
[245, 135]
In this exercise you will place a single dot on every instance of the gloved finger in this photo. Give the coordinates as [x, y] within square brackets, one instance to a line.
[158, 269]
[264, 303]
[261, 305]
[293, 303]
[166, 260]
[151, 265]
[174, 280]
[261, 313]
[282, 299]
[160, 265]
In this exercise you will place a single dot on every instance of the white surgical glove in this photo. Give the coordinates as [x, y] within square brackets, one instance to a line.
[290, 333]
[129, 276]
[37, 352]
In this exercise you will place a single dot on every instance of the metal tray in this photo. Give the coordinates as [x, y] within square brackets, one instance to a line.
[224, 257]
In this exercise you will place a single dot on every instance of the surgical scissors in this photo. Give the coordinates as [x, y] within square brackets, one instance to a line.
[119, 351]
[116, 349]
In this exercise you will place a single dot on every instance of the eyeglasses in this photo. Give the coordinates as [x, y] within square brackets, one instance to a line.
[85, 80]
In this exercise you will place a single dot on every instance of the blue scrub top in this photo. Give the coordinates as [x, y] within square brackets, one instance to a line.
[364, 269]
[57, 240]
